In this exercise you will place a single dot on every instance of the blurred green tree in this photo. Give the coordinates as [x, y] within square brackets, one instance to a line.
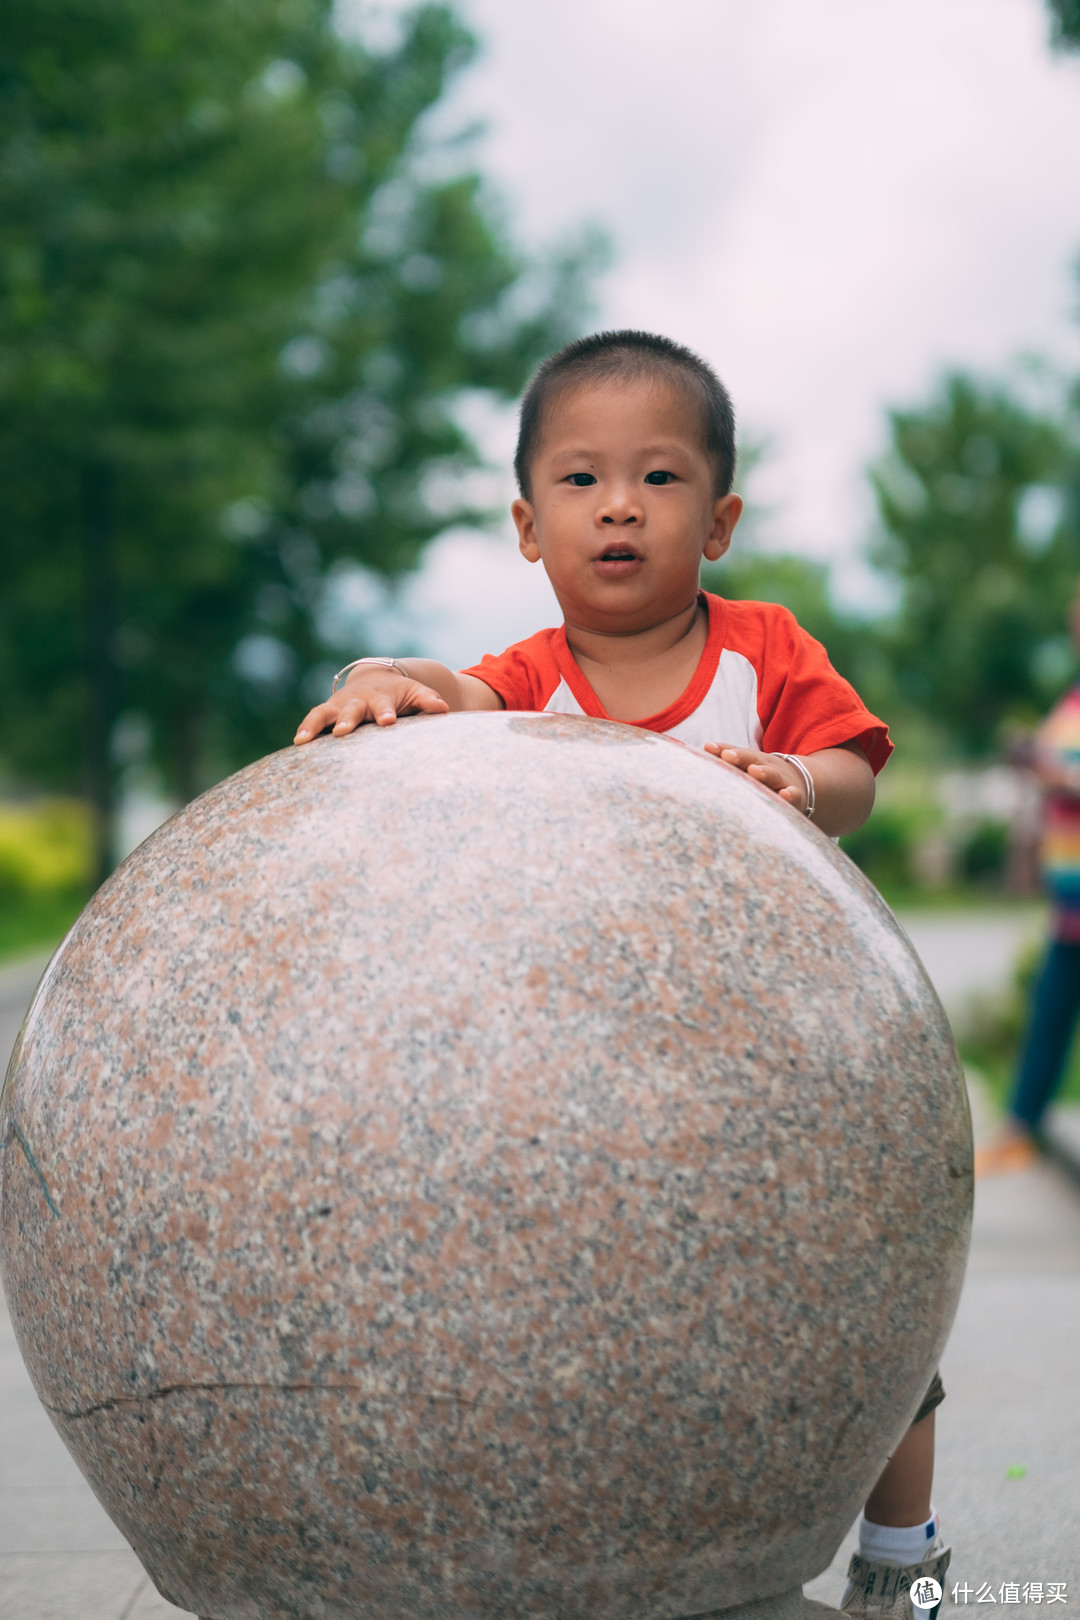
[242, 297]
[1066, 22]
[855, 646]
[981, 537]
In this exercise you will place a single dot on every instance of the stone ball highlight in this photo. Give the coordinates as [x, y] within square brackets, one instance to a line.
[504, 1165]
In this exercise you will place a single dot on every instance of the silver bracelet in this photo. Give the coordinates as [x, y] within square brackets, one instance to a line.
[386, 663]
[794, 759]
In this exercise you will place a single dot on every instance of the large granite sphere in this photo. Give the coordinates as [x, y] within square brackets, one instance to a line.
[505, 1165]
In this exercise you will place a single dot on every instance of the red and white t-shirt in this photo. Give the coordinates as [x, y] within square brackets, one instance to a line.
[762, 682]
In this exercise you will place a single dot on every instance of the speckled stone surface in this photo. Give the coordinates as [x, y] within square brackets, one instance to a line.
[500, 1166]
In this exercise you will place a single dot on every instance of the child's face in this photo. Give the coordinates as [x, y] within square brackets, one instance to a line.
[623, 509]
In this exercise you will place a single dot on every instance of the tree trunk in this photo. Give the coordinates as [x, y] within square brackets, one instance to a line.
[99, 640]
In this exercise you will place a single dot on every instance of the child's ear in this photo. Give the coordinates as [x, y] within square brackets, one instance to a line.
[726, 513]
[525, 522]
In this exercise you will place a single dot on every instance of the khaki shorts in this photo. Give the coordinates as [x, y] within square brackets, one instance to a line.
[933, 1397]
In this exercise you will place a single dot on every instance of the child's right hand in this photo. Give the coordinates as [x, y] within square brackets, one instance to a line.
[371, 694]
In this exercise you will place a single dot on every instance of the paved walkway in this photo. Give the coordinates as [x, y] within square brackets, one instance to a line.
[1011, 1369]
[969, 955]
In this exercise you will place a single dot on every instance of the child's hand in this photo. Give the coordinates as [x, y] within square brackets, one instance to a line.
[773, 772]
[842, 777]
[370, 694]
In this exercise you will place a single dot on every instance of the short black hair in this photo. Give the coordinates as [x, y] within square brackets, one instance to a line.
[607, 356]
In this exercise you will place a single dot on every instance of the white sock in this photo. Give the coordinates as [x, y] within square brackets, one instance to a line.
[887, 1544]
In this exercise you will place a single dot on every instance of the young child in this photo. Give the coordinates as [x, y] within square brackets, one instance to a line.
[625, 461]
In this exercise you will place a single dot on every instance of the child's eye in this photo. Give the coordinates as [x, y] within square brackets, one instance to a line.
[579, 480]
[659, 477]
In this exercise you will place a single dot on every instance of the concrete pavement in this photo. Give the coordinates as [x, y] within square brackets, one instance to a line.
[971, 956]
[1010, 1372]
[1010, 1369]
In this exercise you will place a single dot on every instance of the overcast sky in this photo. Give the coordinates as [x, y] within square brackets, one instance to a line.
[831, 200]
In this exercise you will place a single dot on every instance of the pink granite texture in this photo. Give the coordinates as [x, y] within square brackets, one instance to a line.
[500, 1166]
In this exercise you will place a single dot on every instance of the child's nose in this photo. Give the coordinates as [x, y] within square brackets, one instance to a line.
[620, 508]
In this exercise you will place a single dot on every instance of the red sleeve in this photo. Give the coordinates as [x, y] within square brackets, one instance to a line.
[525, 675]
[803, 703]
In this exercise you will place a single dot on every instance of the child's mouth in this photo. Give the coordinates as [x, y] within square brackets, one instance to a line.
[616, 560]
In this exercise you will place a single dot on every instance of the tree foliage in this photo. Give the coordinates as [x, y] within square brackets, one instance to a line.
[855, 647]
[241, 298]
[982, 538]
[1065, 16]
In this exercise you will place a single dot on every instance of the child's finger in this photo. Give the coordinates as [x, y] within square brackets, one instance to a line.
[776, 778]
[426, 699]
[413, 696]
[384, 708]
[315, 721]
[352, 713]
[739, 757]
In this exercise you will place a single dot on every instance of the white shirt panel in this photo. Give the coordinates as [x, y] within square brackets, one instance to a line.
[728, 711]
[562, 701]
[726, 714]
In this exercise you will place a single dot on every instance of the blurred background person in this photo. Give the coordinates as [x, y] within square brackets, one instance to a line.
[1055, 993]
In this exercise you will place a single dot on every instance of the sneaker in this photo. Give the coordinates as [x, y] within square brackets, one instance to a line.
[883, 1591]
[1005, 1156]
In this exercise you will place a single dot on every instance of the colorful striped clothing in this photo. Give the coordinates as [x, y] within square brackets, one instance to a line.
[1059, 740]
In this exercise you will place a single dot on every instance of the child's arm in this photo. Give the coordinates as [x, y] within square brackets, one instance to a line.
[374, 692]
[843, 781]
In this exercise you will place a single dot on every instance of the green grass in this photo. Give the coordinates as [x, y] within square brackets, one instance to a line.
[960, 898]
[998, 1073]
[34, 924]
[997, 1069]
[993, 1046]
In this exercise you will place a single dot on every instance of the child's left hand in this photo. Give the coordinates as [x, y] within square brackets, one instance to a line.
[843, 781]
[768, 769]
